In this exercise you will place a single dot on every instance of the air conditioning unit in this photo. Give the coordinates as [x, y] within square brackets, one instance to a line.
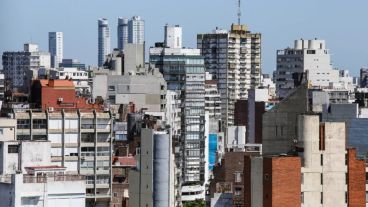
[51, 109]
[60, 99]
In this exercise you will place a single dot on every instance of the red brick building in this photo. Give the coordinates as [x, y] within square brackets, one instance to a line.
[228, 178]
[120, 183]
[58, 94]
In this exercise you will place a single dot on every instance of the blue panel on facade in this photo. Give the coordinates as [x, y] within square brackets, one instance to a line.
[212, 149]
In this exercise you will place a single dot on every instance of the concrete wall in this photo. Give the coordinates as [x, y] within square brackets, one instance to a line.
[235, 136]
[324, 168]
[280, 123]
[256, 182]
[143, 90]
[7, 129]
[133, 57]
[35, 154]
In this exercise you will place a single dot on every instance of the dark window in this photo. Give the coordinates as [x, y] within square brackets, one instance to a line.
[321, 179]
[111, 88]
[321, 159]
[346, 197]
[112, 99]
[40, 137]
[23, 137]
[13, 148]
[321, 197]
[23, 124]
[302, 197]
[39, 123]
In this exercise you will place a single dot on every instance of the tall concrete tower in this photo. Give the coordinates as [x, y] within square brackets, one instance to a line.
[103, 40]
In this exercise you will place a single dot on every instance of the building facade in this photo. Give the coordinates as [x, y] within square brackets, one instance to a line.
[151, 184]
[18, 65]
[309, 59]
[136, 30]
[147, 90]
[103, 40]
[79, 77]
[183, 70]
[324, 172]
[56, 48]
[234, 59]
[122, 32]
[80, 142]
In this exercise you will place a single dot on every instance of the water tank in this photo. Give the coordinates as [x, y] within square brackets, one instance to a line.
[298, 44]
[161, 169]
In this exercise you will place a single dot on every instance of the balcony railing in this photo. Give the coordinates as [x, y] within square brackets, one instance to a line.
[44, 179]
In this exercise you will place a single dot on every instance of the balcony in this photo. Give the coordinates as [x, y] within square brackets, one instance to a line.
[45, 179]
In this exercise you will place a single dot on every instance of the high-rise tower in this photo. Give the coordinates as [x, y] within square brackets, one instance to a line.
[234, 59]
[136, 30]
[56, 48]
[122, 32]
[103, 40]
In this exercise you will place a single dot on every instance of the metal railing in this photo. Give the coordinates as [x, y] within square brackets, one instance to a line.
[44, 179]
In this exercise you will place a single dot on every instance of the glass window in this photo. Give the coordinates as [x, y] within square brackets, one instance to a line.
[13, 149]
[111, 88]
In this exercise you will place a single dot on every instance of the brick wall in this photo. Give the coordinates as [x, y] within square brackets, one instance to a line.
[356, 180]
[281, 181]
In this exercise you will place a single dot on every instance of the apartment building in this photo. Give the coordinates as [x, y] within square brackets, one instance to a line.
[183, 69]
[309, 58]
[56, 48]
[28, 178]
[80, 142]
[234, 59]
[212, 99]
[17, 66]
[104, 44]
[147, 89]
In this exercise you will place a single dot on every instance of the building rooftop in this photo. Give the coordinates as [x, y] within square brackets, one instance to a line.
[126, 161]
[57, 83]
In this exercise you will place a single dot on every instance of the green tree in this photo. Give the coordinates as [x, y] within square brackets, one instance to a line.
[196, 203]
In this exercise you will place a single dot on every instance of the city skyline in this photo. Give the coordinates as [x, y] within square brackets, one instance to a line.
[78, 23]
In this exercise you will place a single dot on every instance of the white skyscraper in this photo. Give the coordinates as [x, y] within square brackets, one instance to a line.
[136, 30]
[56, 48]
[122, 32]
[103, 40]
[308, 57]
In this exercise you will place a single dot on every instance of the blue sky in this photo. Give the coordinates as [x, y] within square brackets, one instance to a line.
[343, 24]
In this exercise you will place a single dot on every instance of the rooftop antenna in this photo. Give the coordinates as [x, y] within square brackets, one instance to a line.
[239, 11]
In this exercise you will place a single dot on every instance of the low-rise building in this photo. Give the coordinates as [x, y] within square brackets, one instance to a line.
[46, 186]
[79, 77]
